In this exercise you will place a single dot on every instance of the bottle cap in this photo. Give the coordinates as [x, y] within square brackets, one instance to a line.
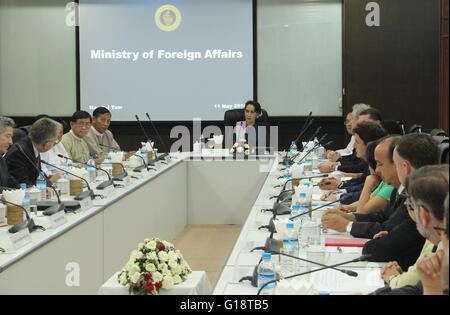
[290, 225]
[23, 186]
[266, 256]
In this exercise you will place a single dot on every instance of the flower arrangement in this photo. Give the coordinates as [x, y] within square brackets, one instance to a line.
[241, 147]
[153, 266]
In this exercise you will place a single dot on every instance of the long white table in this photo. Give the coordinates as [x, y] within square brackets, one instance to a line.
[242, 262]
[79, 256]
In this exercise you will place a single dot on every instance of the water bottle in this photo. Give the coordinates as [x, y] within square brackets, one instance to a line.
[41, 185]
[266, 273]
[69, 165]
[23, 186]
[144, 152]
[291, 241]
[202, 142]
[91, 169]
[293, 149]
[27, 203]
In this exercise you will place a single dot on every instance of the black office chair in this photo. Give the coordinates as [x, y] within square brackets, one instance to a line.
[392, 127]
[440, 139]
[232, 116]
[415, 129]
[438, 132]
[443, 153]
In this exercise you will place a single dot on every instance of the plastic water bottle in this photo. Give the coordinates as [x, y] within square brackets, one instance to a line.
[41, 185]
[266, 273]
[202, 142]
[144, 152]
[293, 149]
[27, 203]
[291, 247]
[91, 169]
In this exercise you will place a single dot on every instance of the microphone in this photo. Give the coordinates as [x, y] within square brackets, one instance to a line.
[271, 225]
[146, 137]
[308, 152]
[361, 258]
[314, 134]
[28, 223]
[122, 175]
[306, 125]
[108, 147]
[82, 195]
[102, 185]
[302, 178]
[49, 206]
[144, 165]
[166, 152]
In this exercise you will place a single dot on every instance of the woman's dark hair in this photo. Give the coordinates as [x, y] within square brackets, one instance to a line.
[255, 105]
[370, 153]
[369, 131]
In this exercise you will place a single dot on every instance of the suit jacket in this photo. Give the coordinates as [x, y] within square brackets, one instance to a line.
[6, 180]
[406, 290]
[352, 164]
[21, 166]
[367, 225]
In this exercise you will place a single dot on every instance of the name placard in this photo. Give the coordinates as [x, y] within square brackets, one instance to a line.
[57, 219]
[86, 204]
[20, 239]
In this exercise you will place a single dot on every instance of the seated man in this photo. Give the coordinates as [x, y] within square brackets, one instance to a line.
[6, 132]
[24, 159]
[74, 142]
[51, 155]
[350, 123]
[402, 242]
[364, 133]
[428, 203]
[99, 139]
[427, 189]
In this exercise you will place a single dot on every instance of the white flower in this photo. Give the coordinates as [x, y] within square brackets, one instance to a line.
[246, 146]
[232, 151]
[135, 277]
[167, 244]
[150, 267]
[173, 255]
[151, 245]
[168, 282]
[163, 256]
[177, 279]
[173, 263]
[133, 268]
[136, 254]
[235, 145]
[157, 276]
[162, 267]
[152, 256]
[240, 149]
[177, 270]
[167, 272]
[246, 152]
[123, 278]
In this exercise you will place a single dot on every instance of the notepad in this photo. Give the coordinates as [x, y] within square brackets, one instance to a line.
[346, 242]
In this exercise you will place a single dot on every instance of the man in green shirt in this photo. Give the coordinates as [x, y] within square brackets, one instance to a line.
[74, 142]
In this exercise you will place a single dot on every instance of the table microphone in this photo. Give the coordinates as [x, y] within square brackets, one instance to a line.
[102, 185]
[148, 140]
[254, 278]
[271, 225]
[144, 165]
[309, 152]
[85, 194]
[316, 132]
[306, 125]
[166, 153]
[28, 223]
[49, 206]
[122, 175]
[361, 258]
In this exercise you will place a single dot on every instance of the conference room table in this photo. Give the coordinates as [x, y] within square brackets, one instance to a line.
[83, 254]
[79, 256]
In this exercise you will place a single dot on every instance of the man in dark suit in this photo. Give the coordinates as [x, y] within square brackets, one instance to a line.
[394, 233]
[24, 156]
[6, 132]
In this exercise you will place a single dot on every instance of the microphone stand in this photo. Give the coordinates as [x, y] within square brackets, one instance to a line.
[362, 258]
[166, 153]
[28, 223]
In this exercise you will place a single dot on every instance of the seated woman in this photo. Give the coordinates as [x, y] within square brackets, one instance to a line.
[375, 194]
[252, 129]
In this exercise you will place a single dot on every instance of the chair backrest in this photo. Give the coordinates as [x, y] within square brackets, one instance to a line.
[392, 127]
[438, 132]
[18, 133]
[232, 116]
[415, 129]
[443, 153]
[440, 139]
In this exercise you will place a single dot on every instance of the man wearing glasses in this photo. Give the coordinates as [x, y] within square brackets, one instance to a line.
[427, 203]
[74, 142]
[25, 155]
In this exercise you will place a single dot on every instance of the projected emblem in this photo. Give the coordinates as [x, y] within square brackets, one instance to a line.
[168, 18]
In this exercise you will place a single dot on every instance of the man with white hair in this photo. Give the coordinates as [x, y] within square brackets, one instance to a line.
[6, 132]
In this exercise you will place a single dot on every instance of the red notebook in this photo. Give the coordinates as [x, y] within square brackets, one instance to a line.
[346, 242]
